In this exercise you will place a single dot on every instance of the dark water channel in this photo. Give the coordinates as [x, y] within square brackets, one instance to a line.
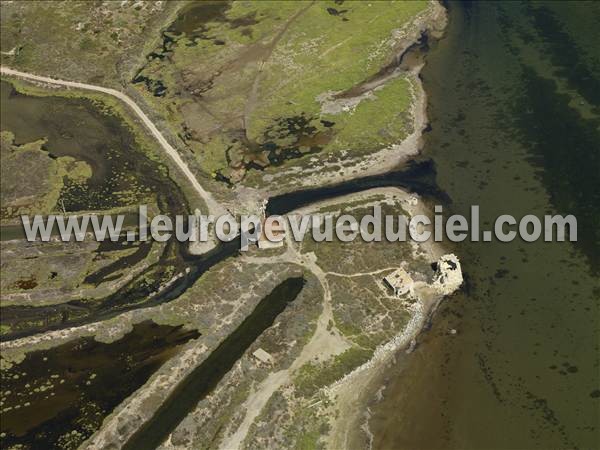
[206, 376]
[29, 320]
[70, 410]
[417, 176]
[513, 103]
[57, 398]
[122, 175]
[522, 372]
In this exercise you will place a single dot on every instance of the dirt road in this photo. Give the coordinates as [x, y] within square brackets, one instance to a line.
[213, 206]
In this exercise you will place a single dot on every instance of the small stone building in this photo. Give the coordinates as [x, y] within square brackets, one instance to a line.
[400, 282]
[277, 230]
[263, 356]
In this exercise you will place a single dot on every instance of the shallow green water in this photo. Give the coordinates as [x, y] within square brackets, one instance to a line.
[513, 103]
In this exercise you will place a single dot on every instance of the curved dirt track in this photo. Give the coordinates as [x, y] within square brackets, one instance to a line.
[213, 206]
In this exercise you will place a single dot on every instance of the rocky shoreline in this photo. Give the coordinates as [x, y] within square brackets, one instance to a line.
[357, 388]
[140, 406]
[432, 22]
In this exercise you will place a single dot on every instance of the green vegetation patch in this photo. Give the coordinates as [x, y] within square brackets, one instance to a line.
[30, 180]
[242, 83]
[81, 40]
[313, 376]
[379, 121]
[366, 311]
[324, 52]
[358, 255]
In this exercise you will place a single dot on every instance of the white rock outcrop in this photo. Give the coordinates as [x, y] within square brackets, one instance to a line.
[448, 275]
